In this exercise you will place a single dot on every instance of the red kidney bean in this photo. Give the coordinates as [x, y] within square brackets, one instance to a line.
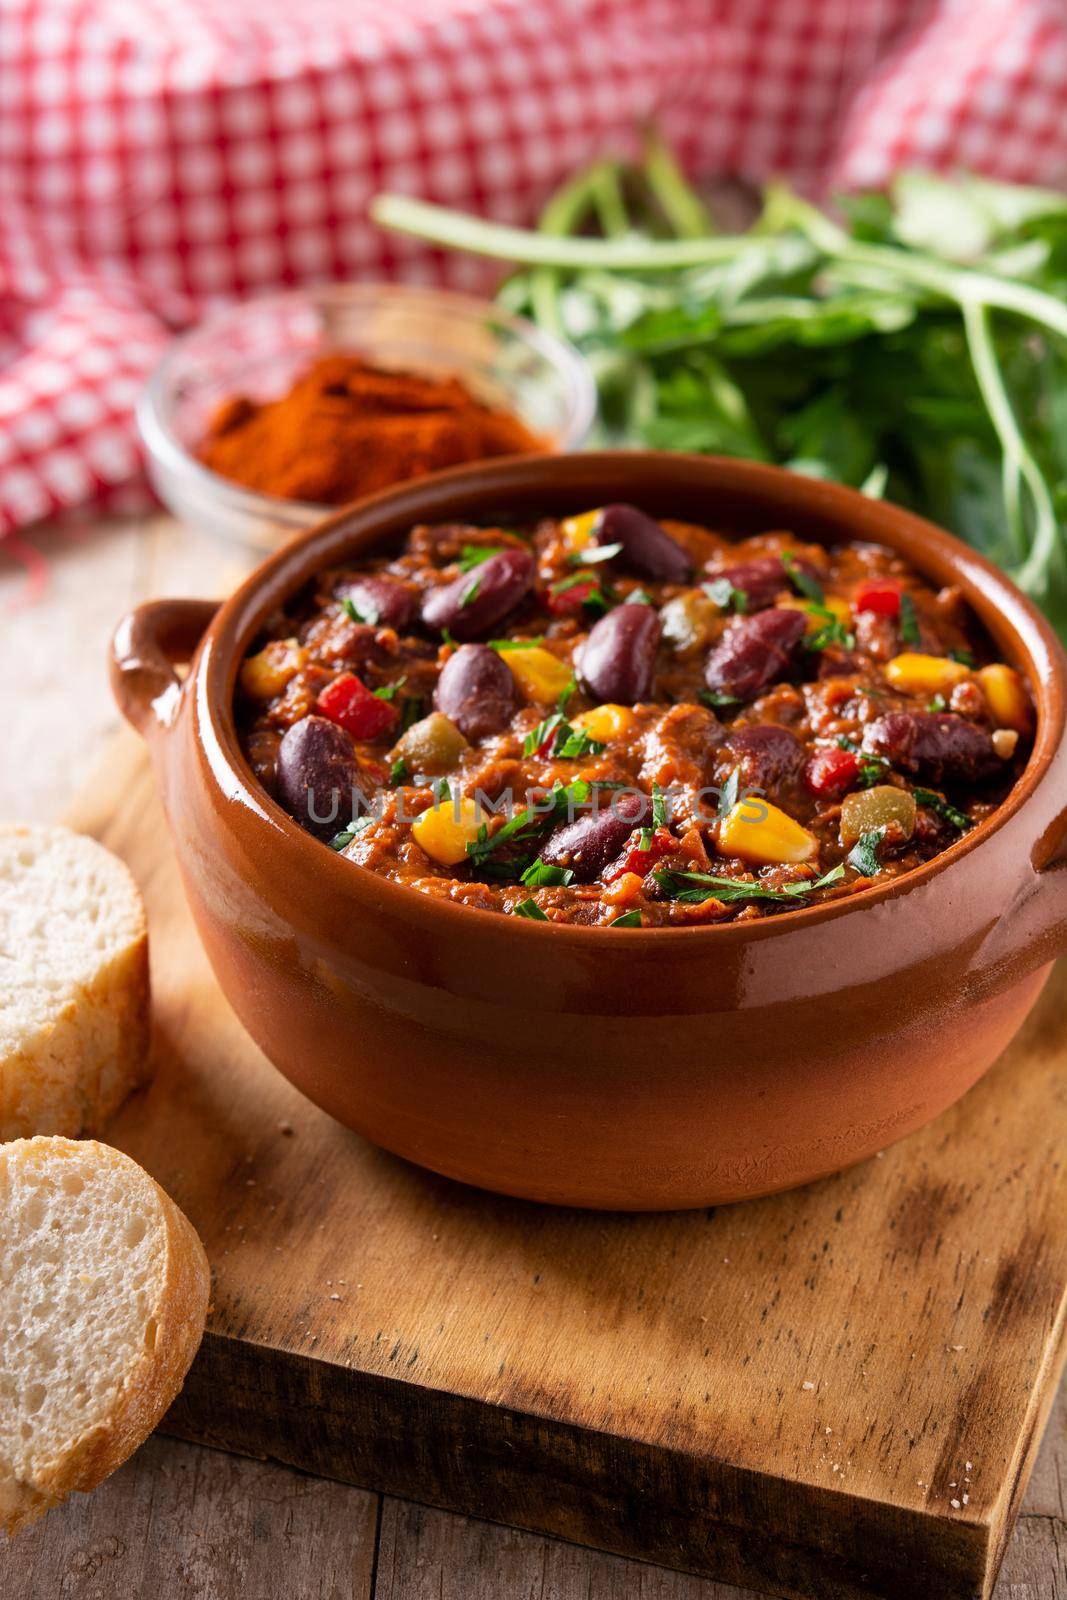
[646, 548]
[477, 600]
[618, 660]
[317, 775]
[382, 602]
[754, 652]
[587, 844]
[476, 691]
[762, 579]
[767, 754]
[938, 746]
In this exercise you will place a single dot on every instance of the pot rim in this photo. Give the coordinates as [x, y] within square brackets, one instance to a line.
[1000, 606]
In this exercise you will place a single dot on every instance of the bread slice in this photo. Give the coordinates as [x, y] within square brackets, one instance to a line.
[74, 1017]
[103, 1295]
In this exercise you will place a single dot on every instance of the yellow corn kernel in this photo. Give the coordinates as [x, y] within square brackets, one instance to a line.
[757, 832]
[605, 722]
[1006, 696]
[539, 674]
[445, 829]
[913, 673]
[839, 609]
[265, 675]
[580, 531]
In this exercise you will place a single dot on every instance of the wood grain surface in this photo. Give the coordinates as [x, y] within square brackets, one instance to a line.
[920, 1298]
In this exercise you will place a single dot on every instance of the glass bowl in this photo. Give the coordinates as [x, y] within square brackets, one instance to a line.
[258, 348]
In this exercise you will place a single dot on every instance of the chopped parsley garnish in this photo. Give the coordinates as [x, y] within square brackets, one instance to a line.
[802, 581]
[346, 836]
[937, 803]
[639, 597]
[592, 555]
[709, 886]
[909, 621]
[398, 771]
[964, 657]
[470, 593]
[388, 690]
[448, 639]
[872, 770]
[530, 909]
[629, 919]
[728, 793]
[938, 703]
[831, 630]
[717, 698]
[540, 874]
[566, 693]
[472, 555]
[658, 820]
[525, 824]
[560, 739]
[723, 594]
[843, 742]
[367, 613]
[864, 853]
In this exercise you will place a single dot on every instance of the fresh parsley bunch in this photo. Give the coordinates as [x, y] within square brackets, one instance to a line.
[914, 346]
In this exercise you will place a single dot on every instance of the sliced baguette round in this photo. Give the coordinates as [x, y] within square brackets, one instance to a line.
[103, 1297]
[74, 1001]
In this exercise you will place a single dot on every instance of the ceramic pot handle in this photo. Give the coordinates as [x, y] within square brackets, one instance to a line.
[147, 644]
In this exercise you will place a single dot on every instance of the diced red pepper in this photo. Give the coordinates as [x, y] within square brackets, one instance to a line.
[567, 602]
[348, 702]
[831, 772]
[641, 860]
[881, 595]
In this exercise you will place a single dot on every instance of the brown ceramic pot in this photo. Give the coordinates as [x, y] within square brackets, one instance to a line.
[623, 1069]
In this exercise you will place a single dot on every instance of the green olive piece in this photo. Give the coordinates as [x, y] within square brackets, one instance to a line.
[432, 745]
[869, 809]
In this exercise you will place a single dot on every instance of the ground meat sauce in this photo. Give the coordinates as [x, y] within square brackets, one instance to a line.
[612, 721]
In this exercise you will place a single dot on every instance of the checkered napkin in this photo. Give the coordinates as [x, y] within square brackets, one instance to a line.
[159, 156]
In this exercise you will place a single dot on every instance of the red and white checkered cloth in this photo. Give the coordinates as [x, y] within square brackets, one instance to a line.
[157, 156]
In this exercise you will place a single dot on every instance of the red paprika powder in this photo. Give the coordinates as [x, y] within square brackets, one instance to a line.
[345, 429]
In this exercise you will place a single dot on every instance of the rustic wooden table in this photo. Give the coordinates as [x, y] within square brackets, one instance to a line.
[183, 1523]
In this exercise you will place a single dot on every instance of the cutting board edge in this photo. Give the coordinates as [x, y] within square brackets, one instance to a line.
[554, 1483]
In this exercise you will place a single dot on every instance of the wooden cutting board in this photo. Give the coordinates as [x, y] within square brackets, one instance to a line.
[836, 1392]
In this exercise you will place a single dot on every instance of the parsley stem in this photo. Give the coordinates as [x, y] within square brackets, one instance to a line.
[457, 231]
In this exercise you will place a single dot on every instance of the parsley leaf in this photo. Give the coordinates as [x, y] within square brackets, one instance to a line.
[717, 698]
[388, 690]
[530, 909]
[470, 593]
[722, 592]
[909, 621]
[802, 581]
[346, 836]
[565, 694]
[367, 613]
[938, 803]
[543, 874]
[864, 853]
[472, 555]
[503, 645]
[728, 793]
[629, 919]
[398, 772]
[710, 886]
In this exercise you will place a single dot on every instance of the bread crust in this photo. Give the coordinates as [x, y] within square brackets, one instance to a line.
[71, 1073]
[152, 1382]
